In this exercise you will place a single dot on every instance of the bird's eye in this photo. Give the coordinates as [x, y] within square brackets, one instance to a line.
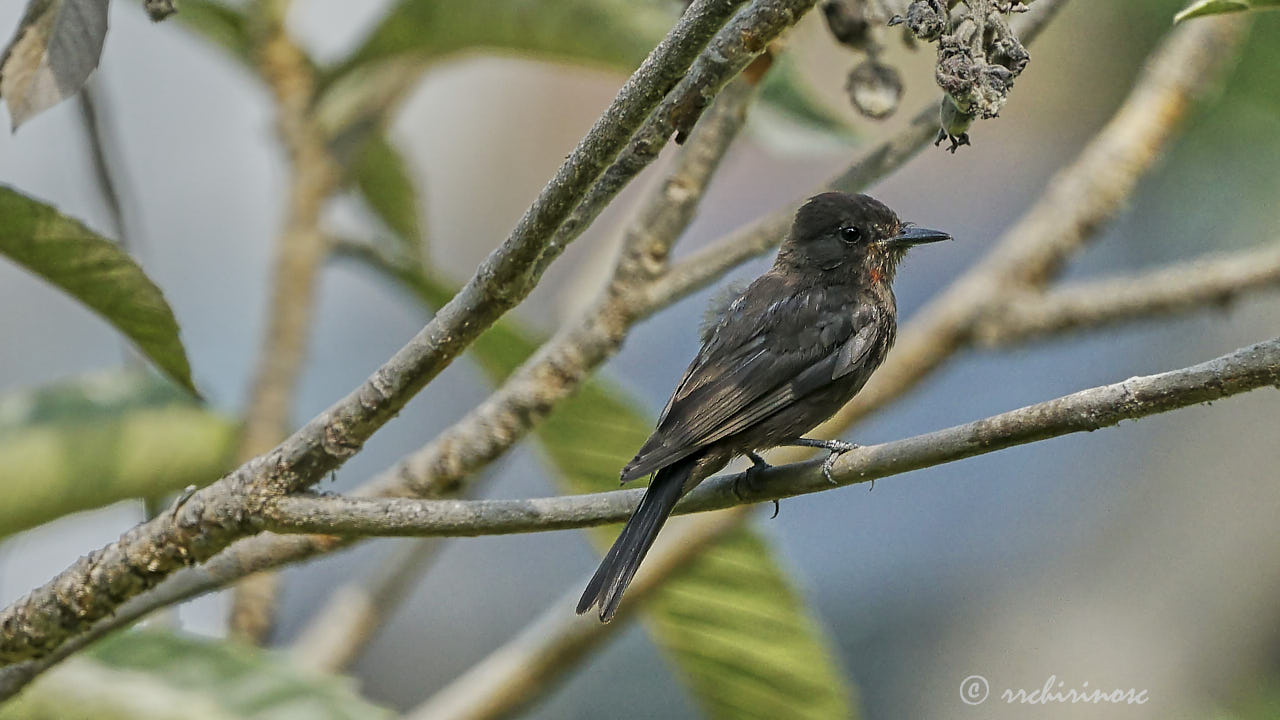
[850, 234]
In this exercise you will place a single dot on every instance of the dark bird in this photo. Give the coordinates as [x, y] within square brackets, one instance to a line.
[781, 358]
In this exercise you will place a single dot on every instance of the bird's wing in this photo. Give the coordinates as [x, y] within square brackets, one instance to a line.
[743, 375]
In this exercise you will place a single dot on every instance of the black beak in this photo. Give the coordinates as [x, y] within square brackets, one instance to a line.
[916, 236]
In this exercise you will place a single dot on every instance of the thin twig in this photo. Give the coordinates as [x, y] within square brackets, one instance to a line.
[1203, 284]
[1243, 370]
[110, 180]
[227, 510]
[108, 183]
[299, 255]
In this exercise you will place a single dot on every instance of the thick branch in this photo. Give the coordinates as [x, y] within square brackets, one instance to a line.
[1243, 370]
[1206, 283]
[214, 517]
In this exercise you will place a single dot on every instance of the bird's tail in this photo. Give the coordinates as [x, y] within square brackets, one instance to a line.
[623, 559]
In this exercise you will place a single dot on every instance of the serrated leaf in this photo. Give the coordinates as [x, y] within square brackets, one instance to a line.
[54, 50]
[383, 180]
[101, 439]
[154, 674]
[1202, 8]
[732, 621]
[221, 24]
[96, 272]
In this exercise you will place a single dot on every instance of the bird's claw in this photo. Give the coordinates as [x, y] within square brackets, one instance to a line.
[956, 140]
[758, 464]
[837, 448]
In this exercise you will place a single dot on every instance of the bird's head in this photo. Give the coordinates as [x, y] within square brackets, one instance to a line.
[853, 236]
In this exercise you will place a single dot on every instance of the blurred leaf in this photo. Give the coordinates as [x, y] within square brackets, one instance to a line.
[732, 621]
[1260, 700]
[101, 439]
[1201, 8]
[614, 34]
[54, 50]
[159, 675]
[788, 93]
[224, 25]
[97, 273]
[384, 181]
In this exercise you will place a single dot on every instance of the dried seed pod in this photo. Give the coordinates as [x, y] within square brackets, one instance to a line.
[874, 88]
[849, 22]
[1005, 49]
[927, 19]
[992, 90]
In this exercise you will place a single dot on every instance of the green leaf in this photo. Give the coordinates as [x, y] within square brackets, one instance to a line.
[223, 25]
[358, 93]
[154, 674]
[732, 621]
[97, 273]
[55, 49]
[101, 439]
[1201, 8]
[613, 34]
[787, 92]
[384, 181]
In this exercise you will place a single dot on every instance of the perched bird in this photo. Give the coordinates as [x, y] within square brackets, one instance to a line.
[784, 356]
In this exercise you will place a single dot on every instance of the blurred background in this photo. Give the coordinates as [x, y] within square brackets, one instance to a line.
[1146, 556]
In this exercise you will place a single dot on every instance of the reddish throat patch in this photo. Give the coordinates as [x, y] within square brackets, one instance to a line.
[876, 275]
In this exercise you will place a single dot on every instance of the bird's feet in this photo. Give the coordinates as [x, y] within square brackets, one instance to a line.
[956, 140]
[757, 465]
[836, 448]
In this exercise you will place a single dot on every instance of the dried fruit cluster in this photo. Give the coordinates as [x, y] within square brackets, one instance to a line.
[978, 56]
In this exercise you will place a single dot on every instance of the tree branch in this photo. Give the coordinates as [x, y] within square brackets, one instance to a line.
[1087, 410]
[272, 551]
[341, 629]
[217, 515]
[299, 254]
[1206, 283]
